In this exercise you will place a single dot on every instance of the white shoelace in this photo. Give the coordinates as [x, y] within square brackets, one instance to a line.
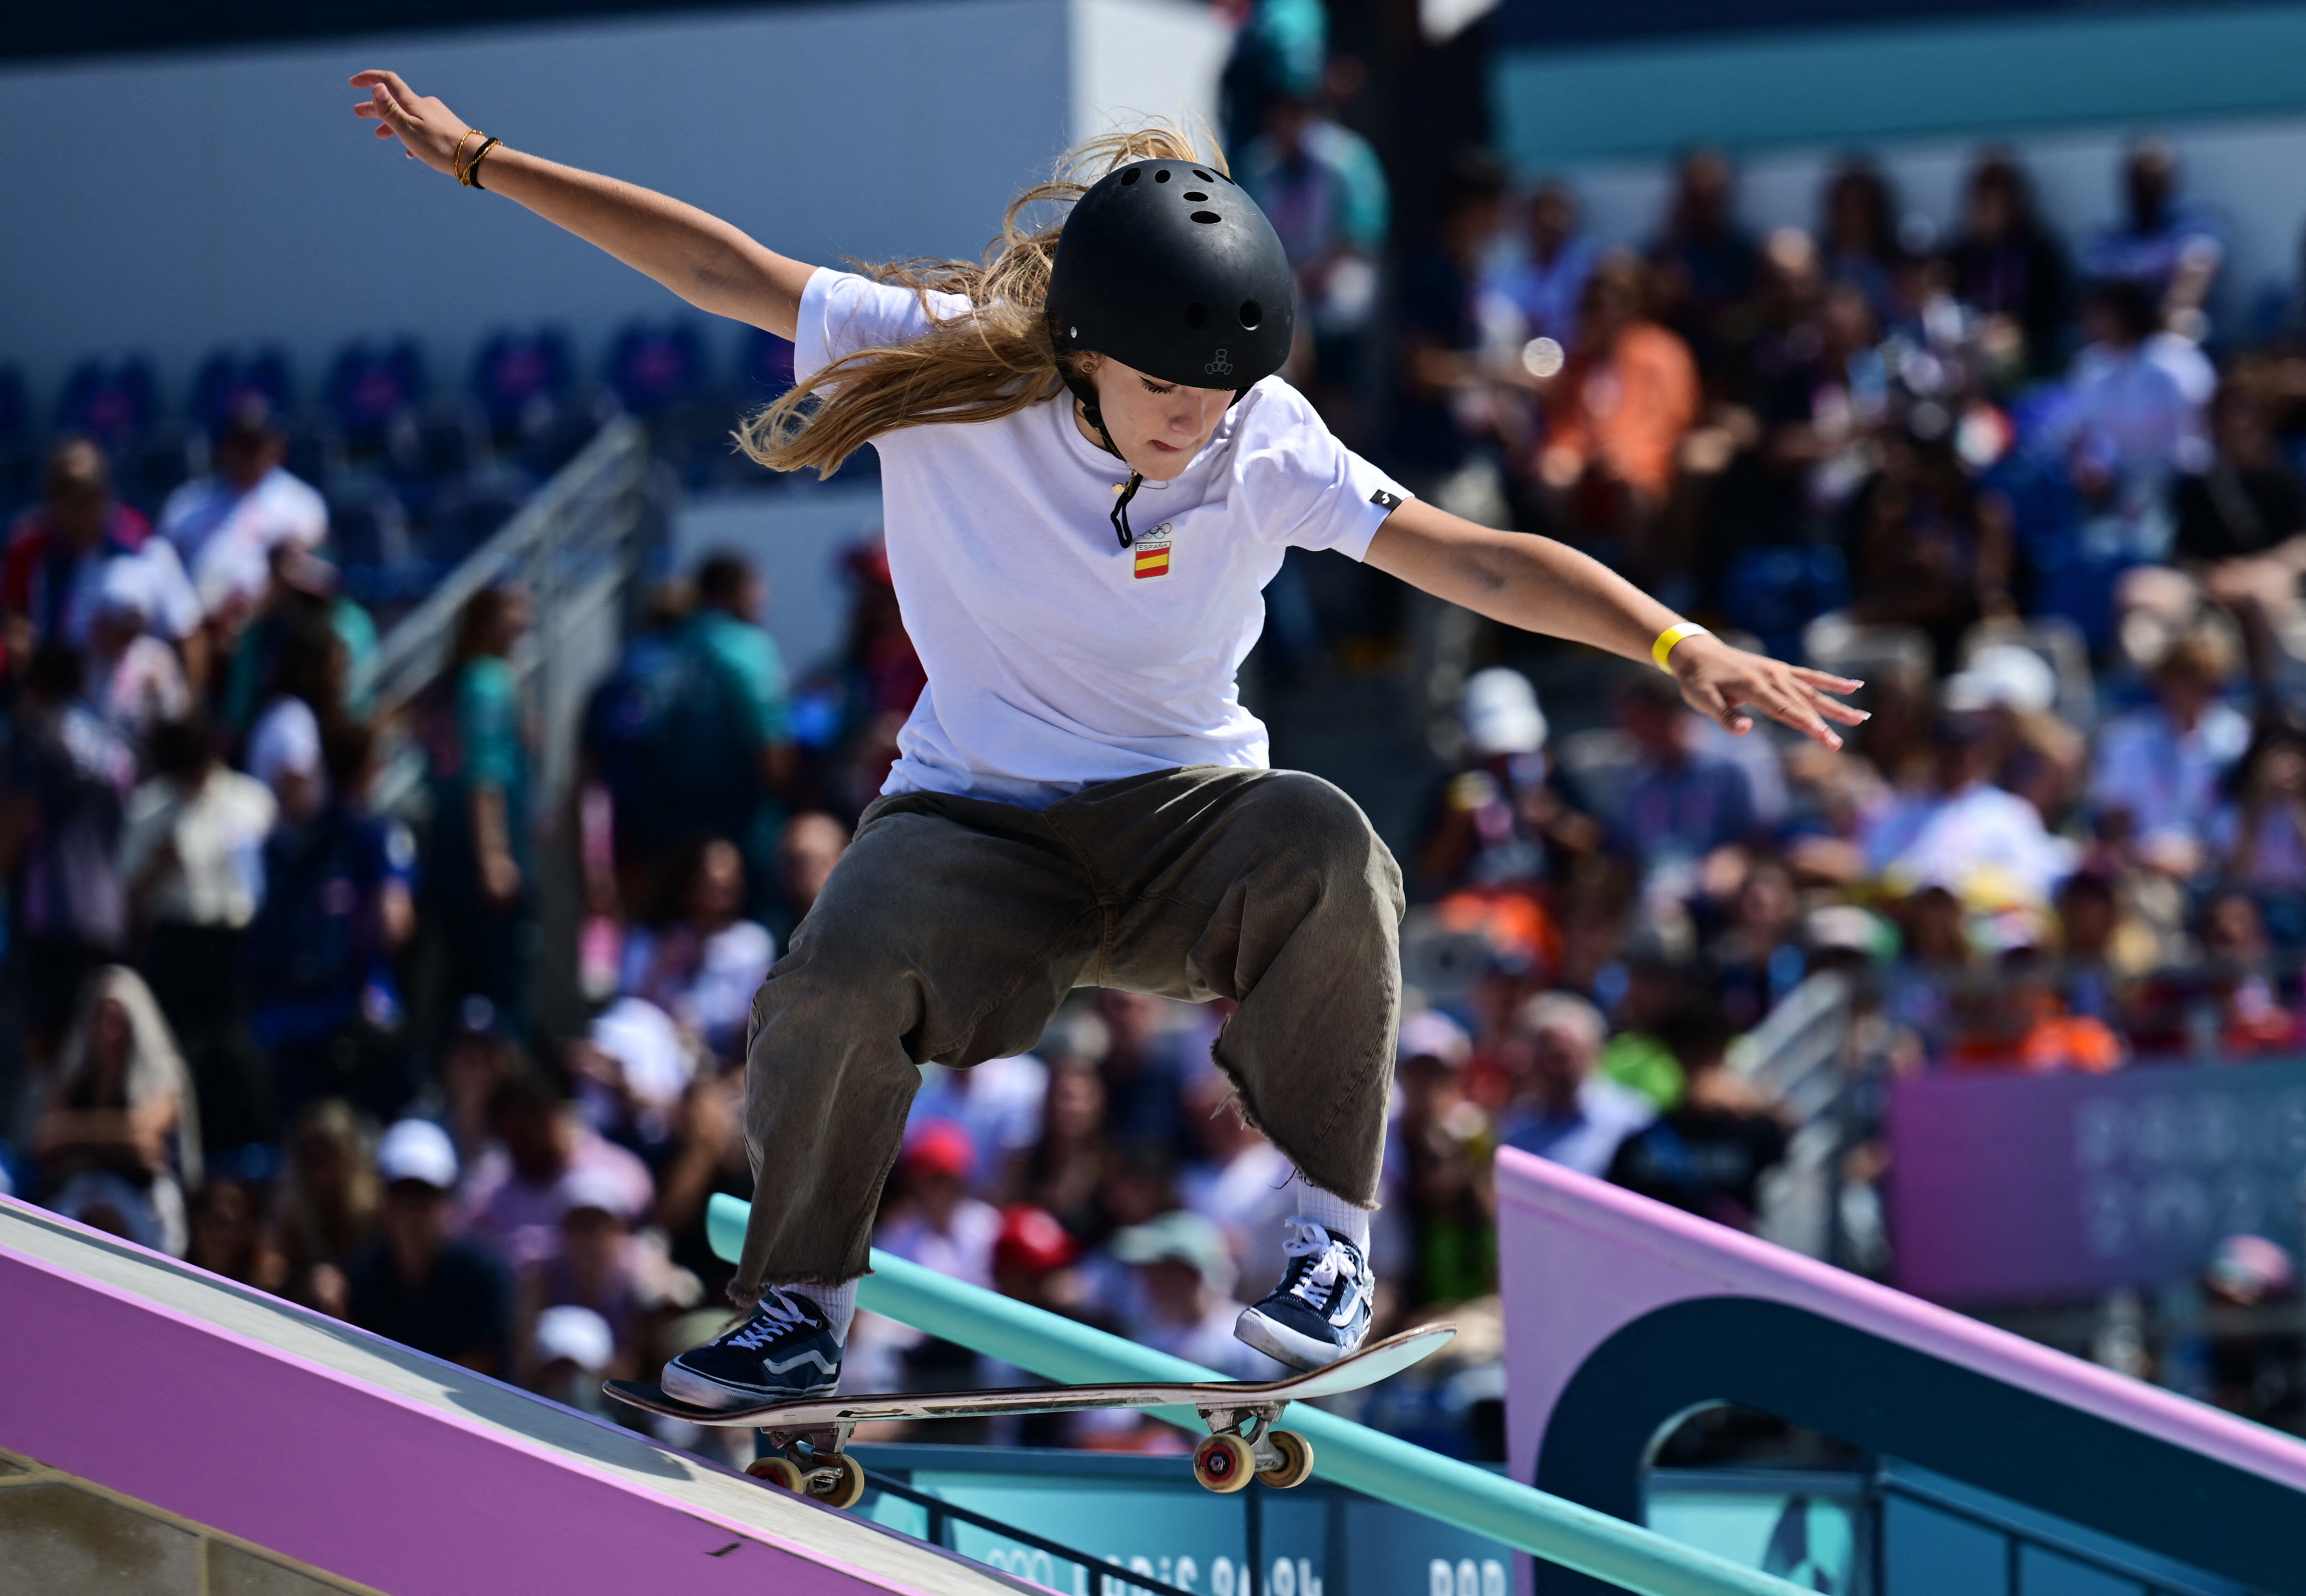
[1333, 1261]
[777, 1315]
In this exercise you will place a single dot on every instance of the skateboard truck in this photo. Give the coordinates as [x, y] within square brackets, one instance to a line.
[825, 1470]
[1242, 1445]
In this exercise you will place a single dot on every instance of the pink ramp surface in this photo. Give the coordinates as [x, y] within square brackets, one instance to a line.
[379, 1464]
[1579, 1259]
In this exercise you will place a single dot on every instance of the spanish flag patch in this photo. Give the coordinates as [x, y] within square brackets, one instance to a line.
[1151, 553]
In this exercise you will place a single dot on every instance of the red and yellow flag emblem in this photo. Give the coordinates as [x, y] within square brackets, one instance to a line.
[1152, 561]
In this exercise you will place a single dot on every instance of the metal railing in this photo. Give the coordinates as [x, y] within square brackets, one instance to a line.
[1041, 1342]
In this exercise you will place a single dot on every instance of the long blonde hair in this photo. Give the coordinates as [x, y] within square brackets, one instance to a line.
[993, 360]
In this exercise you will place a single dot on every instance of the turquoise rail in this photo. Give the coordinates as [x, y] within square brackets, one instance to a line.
[1457, 1493]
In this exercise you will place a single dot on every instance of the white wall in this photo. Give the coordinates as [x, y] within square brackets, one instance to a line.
[171, 204]
[2253, 173]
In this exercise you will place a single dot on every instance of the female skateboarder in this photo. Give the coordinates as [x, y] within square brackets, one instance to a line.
[1090, 473]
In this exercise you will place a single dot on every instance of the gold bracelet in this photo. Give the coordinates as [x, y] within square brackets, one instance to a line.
[1672, 634]
[472, 177]
[457, 156]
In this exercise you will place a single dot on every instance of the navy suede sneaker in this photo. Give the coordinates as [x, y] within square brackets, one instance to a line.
[786, 1350]
[1321, 1310]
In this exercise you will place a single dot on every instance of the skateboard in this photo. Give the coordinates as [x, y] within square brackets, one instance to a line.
[1242, 1444]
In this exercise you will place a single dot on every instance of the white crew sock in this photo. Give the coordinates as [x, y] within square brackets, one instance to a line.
[838, 1303]
[1333, 1214]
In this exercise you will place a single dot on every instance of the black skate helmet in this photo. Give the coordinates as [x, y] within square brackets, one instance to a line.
[1168, 267]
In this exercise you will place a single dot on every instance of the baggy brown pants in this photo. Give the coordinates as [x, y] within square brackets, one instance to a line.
[953, 928]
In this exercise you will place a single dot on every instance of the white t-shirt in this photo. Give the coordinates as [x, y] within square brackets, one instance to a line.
[219, 835]
[226, 538]
[1056, 657]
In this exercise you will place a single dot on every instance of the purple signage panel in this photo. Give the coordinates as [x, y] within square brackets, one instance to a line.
[2005, 1187]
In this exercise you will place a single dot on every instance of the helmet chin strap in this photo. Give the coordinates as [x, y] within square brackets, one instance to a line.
[1086, 396]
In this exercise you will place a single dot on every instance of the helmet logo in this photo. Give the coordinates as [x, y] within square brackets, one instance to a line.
[1220, 366]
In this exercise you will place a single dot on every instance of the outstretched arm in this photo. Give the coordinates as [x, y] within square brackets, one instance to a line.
[709, 263]
[1540, 586]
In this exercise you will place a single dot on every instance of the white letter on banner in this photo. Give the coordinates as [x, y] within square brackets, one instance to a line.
[1284, 1579]
[1221, 1578]
[1308, 1584]
[1469, 1578]
[1493, 1577]
[1188, 1571]
[1437, 1581]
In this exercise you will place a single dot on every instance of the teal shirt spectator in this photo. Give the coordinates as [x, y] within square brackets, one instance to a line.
[749, 655]
[487, 751]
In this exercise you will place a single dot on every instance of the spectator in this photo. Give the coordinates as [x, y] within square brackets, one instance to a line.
[2258, 836]
[2022, 1024]
[327, 1203]
[2155, 785]
[997, 1104]
[1758, 954]
[1708, 1154]
[1144, 1069]
[418, 1284]
[1444, 405]
[1181, 1301]
[811, 845]
[337, 909]
[630, 1073]
[477, 1058]
[1677, 805]
[1438, 1155]
[1321, 185]
[232, 1236]
[1510, 816]
[2011, 270]
[305, 640]
[708, 1156]
[119, 1136]
[2134, 424]
[135, 680]
[1962, 831]
[1549, 284]
[510, 1198]
[192, 857]
[481, 874]
[934, 1222]
[1070, 1161]
[2032, 752]
[569, 1351]
[756, 744]
[2164, 243]
[1858, 236]
[1706, 264]
[61, 808]
[2242, 523]
[1925, 546]
[225, 526]
[1564, 1111]
[703, 968]
[1616, 418]
[1824, 392]
[600, 1265]
[58, 552]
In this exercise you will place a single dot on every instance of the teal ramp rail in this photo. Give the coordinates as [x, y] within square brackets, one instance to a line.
[1351, 1454]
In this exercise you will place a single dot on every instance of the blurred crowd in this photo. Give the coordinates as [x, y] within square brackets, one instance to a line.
[2039, 494]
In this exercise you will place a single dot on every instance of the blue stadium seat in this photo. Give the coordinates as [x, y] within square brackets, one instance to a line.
[521, 377]
[231, 377]
[1775, 590]
[371, 386]
[109, 399]
[656, 365]
[768, 365]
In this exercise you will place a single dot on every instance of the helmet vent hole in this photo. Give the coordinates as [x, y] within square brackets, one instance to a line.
[1162, 175]
[1204, 176]
[1207, 216]
[1194, 193]
[1252, 313]
[1130, 176]
[1197, 315]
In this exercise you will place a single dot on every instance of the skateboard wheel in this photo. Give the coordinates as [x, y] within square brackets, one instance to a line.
[1296, 1464]
[847, 1487]
[779, 1471]
[1225, 1462]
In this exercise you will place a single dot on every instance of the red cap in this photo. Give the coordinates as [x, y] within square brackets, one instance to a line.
[941, 1147]
[1032, 1240]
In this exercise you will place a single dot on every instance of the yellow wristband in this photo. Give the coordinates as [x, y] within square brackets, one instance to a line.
[1672, 635]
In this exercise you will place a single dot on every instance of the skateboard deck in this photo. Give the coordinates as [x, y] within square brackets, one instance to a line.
[1374, 1362]
[1243, 1443]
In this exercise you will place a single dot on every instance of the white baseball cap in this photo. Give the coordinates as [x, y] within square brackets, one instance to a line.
[2006, 674]
[1500, 712]
[574, 1333]
[417, 1151]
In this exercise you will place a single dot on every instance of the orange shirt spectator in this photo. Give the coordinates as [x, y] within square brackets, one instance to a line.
[1624, 406]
